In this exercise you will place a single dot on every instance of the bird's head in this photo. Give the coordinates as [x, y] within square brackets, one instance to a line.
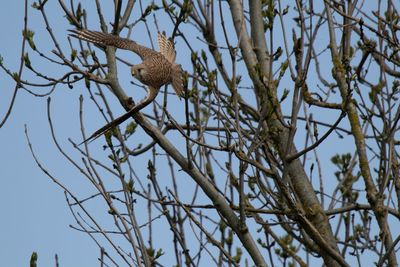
[138, 71]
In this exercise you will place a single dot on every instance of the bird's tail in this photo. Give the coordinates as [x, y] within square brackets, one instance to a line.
[90, 36]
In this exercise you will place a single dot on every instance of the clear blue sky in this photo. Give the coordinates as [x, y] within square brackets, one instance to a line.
[34, 216]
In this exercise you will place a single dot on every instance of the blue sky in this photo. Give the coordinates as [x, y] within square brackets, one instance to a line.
[35, 216]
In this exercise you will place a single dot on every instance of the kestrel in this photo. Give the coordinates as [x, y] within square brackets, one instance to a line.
[156, 70]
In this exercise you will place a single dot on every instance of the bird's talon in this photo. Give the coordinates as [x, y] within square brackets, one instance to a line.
[130, 102]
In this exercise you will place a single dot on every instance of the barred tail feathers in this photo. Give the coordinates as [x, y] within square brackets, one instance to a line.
[106, 39]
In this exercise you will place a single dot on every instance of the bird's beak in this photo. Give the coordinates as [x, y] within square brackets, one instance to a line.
[133, 72]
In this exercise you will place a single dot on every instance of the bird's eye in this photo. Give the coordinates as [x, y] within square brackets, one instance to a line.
[135, 71]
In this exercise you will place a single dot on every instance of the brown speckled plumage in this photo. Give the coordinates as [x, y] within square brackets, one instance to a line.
[156, 70]
[160, 67]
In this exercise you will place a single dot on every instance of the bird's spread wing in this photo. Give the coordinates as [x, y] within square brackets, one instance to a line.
[106, 39]
[167, 48]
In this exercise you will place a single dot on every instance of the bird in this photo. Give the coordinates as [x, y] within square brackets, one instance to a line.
[157, 68]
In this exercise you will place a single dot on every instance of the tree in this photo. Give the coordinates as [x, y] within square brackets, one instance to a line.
[273, 89]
